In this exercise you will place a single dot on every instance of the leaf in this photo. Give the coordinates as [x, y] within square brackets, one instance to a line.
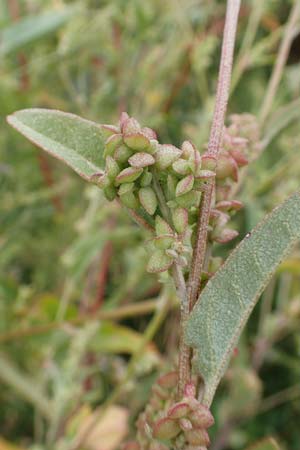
[76, 141]
[114, 338]
[31, 28]
[265, 444]
[227, 300]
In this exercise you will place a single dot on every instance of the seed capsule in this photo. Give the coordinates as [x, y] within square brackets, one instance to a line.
[146, 178]
[141, 160]
[197, 437]
[109, 130]
[137, 141]
[129, 200]
[128, 175]
[178, 410]
[185, 185]
[129, 125]
[189, 199]
[112, 168]
[165, 428]
[180, 219]
[148, 200]
[159, 262]
[166, 155]
[112, 143]
[162, 227]
[181, 166]
[110, 193]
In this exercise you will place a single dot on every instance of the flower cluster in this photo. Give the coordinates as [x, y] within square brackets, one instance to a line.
[166, 423]
[163, 183]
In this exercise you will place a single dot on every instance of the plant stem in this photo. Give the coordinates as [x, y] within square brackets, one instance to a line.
[283, 53]
[216, 133]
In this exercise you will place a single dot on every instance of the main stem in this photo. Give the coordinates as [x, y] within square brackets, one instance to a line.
[193, 286]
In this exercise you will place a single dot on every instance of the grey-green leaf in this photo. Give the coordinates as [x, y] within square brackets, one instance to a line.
[227, 300]
[76, 141]
[30, 28]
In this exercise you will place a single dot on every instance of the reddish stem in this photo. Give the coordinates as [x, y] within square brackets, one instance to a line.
[193, 286]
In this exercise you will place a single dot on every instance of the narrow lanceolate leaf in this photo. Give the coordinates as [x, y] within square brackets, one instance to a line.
[30, 28]
[76, 141]
[229, 297]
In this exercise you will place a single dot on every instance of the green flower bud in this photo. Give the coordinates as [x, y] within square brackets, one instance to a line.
[181, 166]
[166, 155]
[109, 130]
[128, 175]
[180, 219]
[112, 168]
[130, 126]
[141, 160]
[146, 178]
[162, 227]
[137, 141]
[125, 188]
[187, 149]
[195, 162]
[163, 242]
[110, 193]
[112, 143]
[148, 200]
[129, 200]
[190, 199]
[159, 262]
[149, 133]
[122, 154]
[154, 146]
[185, 185]
[165, 428]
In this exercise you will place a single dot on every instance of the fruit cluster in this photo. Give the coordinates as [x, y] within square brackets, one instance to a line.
[164, 184]
[166, 423]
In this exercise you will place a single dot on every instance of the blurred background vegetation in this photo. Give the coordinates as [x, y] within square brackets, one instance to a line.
[67, 257]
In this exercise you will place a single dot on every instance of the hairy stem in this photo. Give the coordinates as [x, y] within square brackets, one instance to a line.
[216, 133]
[281, 60]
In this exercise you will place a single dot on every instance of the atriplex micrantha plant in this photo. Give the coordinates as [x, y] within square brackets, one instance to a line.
[184, 197]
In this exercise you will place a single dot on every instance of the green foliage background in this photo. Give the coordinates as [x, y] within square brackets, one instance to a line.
[158, 61]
